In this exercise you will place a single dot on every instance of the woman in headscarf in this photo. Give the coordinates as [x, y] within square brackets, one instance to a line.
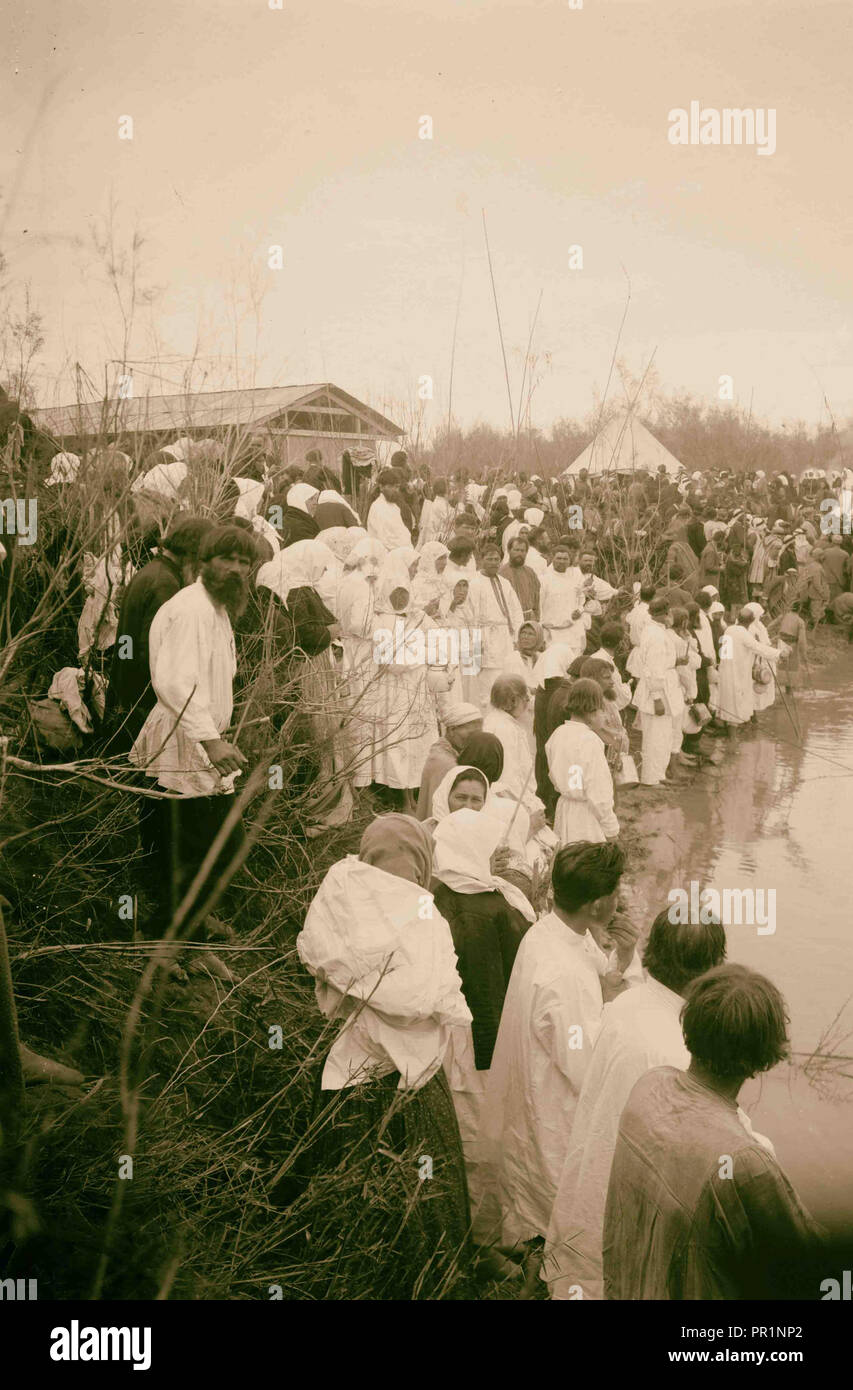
[296, 522]
[397, 703]
[763, 675]
[428, 586]
[333, 510]
[341, 541]
[484, 753]
[488, 917]
[384, 965]
[578, 768]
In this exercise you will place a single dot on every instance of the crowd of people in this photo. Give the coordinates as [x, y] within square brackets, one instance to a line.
[490, 668]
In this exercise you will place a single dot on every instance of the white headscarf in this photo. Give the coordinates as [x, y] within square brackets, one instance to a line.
[329, 495]
[394, 574]
[427, 584]
[341, 540]
[367, 557]
[534, 516]
[298, 566]
[464, 844]
[386, 969]
[63, 469]
[299, 494]
[441, 795]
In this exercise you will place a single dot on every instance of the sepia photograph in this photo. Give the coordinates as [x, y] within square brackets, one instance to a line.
[426, 671]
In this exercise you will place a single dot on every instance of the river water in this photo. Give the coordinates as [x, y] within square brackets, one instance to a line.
[777, 814]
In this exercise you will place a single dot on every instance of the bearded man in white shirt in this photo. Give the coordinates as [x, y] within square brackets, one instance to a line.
[552, 1014]
[561, 608]
[181, 744]
[641, 1029]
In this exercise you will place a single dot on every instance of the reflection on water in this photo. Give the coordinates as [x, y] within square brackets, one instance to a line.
[777, 815]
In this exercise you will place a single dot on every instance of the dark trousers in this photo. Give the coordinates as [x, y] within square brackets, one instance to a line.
[176, 835]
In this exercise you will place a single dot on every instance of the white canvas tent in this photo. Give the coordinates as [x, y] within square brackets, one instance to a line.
[623, 446]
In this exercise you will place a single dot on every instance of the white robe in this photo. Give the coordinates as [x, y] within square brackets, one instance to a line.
[559, 598]
[497, 636]
[640, 1029]
[577, 766]
[550, 1021]
[398, 707]
[385, 523]
[738, 649]
[193, 661]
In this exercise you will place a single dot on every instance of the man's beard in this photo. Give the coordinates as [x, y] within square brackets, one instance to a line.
[232, 592]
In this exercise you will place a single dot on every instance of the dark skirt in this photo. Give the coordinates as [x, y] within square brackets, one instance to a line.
[410, 1141]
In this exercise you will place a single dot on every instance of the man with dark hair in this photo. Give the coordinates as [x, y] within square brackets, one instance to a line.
[552, 1014]
[697, 1206]
[641, 1030]
[181, 744]
[385, 520]
[522, 578]
[130, 695]
[497, 616]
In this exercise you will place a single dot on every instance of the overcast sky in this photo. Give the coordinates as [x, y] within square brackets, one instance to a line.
[255, 127]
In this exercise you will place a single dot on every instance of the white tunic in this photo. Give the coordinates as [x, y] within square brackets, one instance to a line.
[559, 598]
[385, 523]
[577, 766]
[738, 649]
[397, 706]
[193, 661]
[550, 1021]
[640, 1029]
[497, 635]
[655, 665]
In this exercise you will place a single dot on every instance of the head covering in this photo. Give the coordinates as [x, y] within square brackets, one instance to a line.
[709, 589]
[299, 494]
[180, 449]
[394, 574]
[753, 609]
[483, 751]
[427, 584]
[534, 516]
[367, 557]
[461, 714]
[329, 495]
[537, 628]
[441, 795]
[513, 497]
[63, 469]
[381, 963]
[464, 844]
[301, 565]
[342, 539]
[554, 661]
[399, 845]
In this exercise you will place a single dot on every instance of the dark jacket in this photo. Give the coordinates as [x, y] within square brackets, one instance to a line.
[130, 695]
[486, 934]
[295, 524]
